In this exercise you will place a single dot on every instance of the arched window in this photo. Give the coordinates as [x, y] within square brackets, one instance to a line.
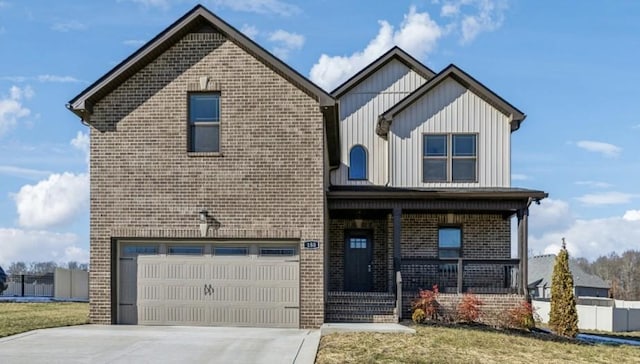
[358, 163]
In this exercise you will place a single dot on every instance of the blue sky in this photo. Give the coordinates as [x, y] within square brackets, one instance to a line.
[572, 69]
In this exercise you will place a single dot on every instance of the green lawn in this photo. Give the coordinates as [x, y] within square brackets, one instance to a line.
[16, 318]
[437, 344]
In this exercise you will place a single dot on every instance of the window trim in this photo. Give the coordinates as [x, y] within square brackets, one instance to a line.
[365, 165]
[449, 157]
[191, 124]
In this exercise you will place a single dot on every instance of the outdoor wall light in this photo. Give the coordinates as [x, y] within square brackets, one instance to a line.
[204, 222]
[204, 214]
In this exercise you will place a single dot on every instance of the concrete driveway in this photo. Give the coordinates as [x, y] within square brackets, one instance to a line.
[147, 344]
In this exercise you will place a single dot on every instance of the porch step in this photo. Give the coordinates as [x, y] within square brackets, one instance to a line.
[375, 307]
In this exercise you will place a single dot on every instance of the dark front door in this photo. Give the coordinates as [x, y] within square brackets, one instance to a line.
[357, 261]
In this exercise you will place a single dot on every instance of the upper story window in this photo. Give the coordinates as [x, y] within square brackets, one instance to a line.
[449, 242]
[358, 163]
[449, 158]
[204, 122]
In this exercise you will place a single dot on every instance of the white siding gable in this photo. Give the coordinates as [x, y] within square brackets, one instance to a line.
[359, 111]
[450, 108]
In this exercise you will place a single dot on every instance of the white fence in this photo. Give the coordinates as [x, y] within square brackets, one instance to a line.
[71, 284]
[63, 284]
[599, 314]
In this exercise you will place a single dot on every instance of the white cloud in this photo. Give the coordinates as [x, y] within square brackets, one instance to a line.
[417, 34]
[606, 149]
[133, 42]
[585, 238]
[33, 174]
[632, 215]
[636, 126]
[259, 6]
[595, 184]
[42, 78]
[40, 246]
[52, 202]
[11, 108]
[519, 177]
[606, 198]
[473, 17]
[68, 26]
[286, 42]
[250, 31]
[449, 10]
[591, 238]
[56, 78]
[162, 4]
[81, 142]
[550, 215]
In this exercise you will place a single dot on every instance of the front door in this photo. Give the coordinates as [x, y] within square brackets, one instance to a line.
[358, 261]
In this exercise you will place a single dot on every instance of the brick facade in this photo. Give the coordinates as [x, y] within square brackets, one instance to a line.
[381, 252]
[266, 182]
[484, 236]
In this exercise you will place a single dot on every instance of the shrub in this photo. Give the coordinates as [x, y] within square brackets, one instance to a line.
[469, 308]
[427, 302]
[520, 317]
[563, 317]
[418, 316]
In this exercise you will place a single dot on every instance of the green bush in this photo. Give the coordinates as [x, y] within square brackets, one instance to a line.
[418, 316]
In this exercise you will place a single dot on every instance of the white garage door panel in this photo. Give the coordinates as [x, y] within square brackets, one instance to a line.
[210, 291]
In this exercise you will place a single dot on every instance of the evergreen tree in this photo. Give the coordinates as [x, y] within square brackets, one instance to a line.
[563, 318]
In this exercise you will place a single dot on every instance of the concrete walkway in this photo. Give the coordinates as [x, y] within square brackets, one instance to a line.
[149, 344]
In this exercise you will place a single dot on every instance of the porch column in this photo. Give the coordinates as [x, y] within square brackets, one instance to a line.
[397, 233]
[525, 252]
[523, 247]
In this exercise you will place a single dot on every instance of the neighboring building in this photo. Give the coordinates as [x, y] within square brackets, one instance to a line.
[227, 189]
[541, 274]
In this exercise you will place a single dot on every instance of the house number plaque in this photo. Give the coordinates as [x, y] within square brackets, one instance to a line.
[311, 244]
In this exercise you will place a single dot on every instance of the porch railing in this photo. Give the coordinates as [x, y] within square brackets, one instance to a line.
[460, 275]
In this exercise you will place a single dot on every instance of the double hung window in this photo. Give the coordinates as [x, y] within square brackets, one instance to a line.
[204, 122]
[449, 158]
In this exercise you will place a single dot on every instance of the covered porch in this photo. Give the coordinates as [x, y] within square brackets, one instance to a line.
[389, 243]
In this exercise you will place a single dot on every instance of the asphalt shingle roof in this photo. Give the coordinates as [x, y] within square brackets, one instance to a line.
[541, 271]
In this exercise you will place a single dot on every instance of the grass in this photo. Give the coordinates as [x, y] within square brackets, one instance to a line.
[16, 318]
[464, 344]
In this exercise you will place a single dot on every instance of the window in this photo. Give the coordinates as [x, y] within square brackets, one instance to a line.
[133, 250]
[204, 122]
[275, 252]
[186, 250]
[357, 243]
[227, 250]
[449, 242]
[358, 163]
[449, 158]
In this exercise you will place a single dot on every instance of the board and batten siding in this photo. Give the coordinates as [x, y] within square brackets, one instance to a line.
[450, 108]
[359, 111]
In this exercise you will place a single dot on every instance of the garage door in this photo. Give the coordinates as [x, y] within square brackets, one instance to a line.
[259, 289]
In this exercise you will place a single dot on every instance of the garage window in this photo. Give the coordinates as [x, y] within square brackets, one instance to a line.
[130, 250]
[186, 250]
[277, 252]
[227, 250]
